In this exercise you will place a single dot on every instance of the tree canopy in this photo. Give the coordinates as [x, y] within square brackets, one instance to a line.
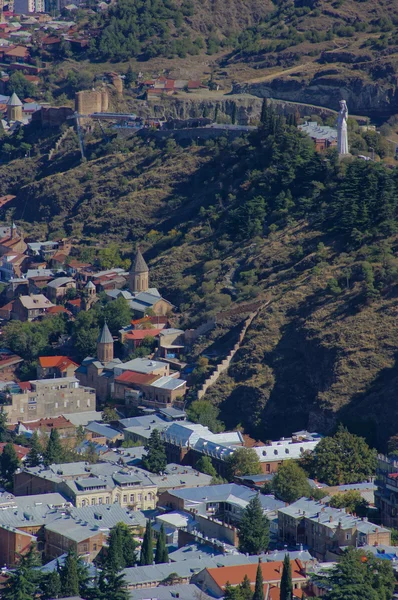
[253, 528]
[342, 458]
[290, 482]
[155, 459]
[244, 461]
[359, 575]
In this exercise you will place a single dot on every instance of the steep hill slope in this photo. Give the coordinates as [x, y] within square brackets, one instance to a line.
[263, 218]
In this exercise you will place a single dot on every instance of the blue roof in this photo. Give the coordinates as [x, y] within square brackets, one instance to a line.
[102, 429]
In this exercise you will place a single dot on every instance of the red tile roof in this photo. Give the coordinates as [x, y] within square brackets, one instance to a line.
[272, 573]
[140, 334]
[133, 377]
[56, 423]
[56, 310]
[25, 385]
[59, 362]
[20, 450]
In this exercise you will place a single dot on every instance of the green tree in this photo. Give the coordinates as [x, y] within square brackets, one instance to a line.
[343, 458]
[111, 586]
[290, 482]
[117, 314]
[205, 413]
[4, 433]
[121, 550]
[204, 465]
[244, 461]
[21, 86]
[51, 586]
[259, 587]
[114, 557]
[19, 586]
[352, 500]
[109, 414]
[286, 580]
[161, 554]
[54, 453]
[9, 463]
[35, 454]
[253, 529]
[155, 459]
[70, 575]
[359, 575]
[130, 77]
[245, 589]
[146, 557]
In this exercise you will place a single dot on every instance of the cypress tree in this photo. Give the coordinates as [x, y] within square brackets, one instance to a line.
[161, 554]
[54, 452]
[129, 545]
[19, 586]
[245, 589]
[147, 547]
[34, 456]
[114, 558]
[111, 586]
[264, 111]
[9, 463]
[259, 588]
[286, 580]
[155, 459]
[253, 528]
[51, 586]
[69, 574]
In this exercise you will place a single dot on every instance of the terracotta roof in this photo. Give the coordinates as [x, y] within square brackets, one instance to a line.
[153, 319]
[133, 377]
[25, 385]
[56, 310]
[56, 423]
[8, 306]
[140, 334]
[19, 51]
[20, 450]
[60, 257]
[60, 362]
[76, 302]
[272, 572]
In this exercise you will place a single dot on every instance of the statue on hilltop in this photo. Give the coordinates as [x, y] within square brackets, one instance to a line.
[342, 135]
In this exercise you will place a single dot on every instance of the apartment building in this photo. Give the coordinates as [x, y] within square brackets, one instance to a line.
[325, 530]
[386, 494]
[90, 485]
[46, 398]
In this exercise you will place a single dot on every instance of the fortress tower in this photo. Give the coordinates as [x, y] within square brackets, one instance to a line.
[139, 274]
[105, 345]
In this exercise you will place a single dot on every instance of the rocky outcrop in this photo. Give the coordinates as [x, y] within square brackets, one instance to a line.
[362, 97]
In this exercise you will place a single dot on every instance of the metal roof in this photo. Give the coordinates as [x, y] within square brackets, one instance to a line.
[103, 429]
[105, 337]
[59, 281]
[139, 265]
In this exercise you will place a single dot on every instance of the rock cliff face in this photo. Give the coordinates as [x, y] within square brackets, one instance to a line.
[362, 98]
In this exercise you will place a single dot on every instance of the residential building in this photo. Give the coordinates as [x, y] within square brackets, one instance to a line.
[46, 398]
[171, 342]
[58, 288]
[86, 530]
[386, 494]
[90, 485]
[102, 433]
[150, 390]
[65, 428]
[11, 265]
[28, 308]
[227, 500]
[214, 580]
[325, 530]
[56, 366]
[22, 521]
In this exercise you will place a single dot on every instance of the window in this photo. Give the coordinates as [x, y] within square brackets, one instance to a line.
[94, 547]
[132, 498]
[139, 497]
[107, 500]
[56, 405]
[83, 503]
[268, 468]
[93, 501]
[125, 498]
[100, 500]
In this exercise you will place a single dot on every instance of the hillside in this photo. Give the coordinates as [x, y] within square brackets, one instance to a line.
[263, 218]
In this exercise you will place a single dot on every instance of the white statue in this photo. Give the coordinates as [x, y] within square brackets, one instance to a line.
[342, 136]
